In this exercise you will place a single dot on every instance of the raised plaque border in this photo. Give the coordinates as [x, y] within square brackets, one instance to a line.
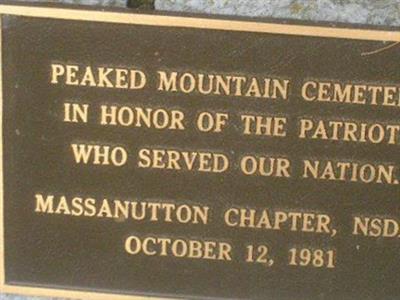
[368, 33]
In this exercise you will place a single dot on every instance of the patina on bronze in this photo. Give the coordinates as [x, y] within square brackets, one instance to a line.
[194, 157]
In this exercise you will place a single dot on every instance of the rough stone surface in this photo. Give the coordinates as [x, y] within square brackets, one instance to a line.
[381, 12]
[110, 3]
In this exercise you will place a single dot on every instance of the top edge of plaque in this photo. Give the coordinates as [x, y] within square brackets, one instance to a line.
[202, 21]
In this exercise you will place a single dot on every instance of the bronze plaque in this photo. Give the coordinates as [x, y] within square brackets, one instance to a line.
[197, 157]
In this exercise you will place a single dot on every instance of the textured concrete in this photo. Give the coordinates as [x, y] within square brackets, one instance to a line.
[352, 11]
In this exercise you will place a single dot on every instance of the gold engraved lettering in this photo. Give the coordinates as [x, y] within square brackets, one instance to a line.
[180, 248]
[226, 85]
[126, 210]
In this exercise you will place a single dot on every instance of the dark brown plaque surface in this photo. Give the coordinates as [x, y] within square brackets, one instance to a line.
[191, 157]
